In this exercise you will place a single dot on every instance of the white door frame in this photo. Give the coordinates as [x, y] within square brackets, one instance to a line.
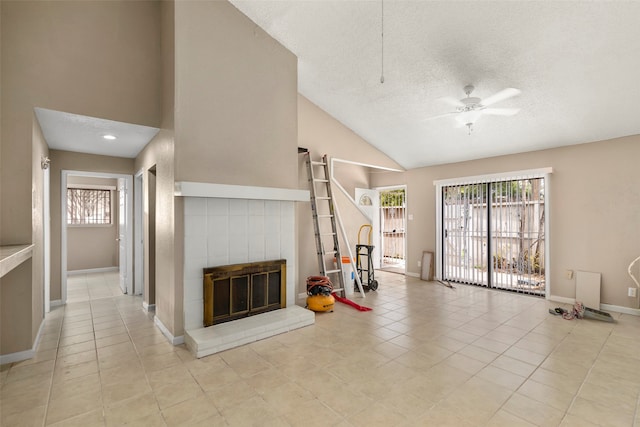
[406, 221]
[138, 239]
[46, 220]
[63, 212]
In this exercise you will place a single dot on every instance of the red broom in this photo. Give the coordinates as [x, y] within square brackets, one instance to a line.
[351, 303]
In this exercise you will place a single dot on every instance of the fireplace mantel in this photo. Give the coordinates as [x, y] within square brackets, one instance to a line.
[225, 191]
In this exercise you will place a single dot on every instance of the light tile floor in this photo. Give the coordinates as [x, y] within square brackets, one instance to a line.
[425, 356]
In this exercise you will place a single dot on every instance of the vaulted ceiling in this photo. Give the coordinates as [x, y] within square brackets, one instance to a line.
[576, 64]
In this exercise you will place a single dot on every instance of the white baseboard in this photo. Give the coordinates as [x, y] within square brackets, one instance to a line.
[92, 270]
[407, 273]
[23, 355]
[17, 357]
[620, 309]
[605, 307]
[173, 340]
[56, 303]
[148, 307]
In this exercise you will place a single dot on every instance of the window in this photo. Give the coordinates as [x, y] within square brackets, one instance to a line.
[88, 206]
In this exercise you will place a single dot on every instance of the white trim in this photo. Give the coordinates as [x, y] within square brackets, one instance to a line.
[493, 177]
[366, 165]
[65, 173]
[56, 303]
[91, 270]
[148, 307]
[92, 187]
[46, 239]
[224, 191]
[410, 274]
[173, 340]
[17, 357]
[547, 234]
[138, 233]
[26, 354]
[620, 309]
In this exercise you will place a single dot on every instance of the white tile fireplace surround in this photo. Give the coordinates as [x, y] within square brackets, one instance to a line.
[224, 225]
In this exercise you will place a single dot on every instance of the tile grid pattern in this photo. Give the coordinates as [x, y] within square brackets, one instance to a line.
[426, 355]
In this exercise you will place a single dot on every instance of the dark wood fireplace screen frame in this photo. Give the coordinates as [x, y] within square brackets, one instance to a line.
[235, 291]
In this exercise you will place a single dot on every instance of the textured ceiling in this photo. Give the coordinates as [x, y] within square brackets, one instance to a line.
[73, 132]
[576, 64]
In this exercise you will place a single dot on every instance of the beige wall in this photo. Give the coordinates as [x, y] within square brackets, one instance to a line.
[67, 56]
[594, 203]
[67, 160]
[91, 246]
[322, 134]
[236, 97]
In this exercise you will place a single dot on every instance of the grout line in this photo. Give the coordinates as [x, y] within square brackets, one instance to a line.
[55, 362]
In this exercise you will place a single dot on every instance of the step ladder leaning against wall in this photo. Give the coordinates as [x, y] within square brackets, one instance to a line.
[324, 220]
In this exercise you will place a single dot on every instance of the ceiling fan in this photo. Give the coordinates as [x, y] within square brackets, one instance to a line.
[470, 109]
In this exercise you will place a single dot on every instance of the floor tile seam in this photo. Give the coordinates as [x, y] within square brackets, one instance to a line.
[55, 362]
[146, 374]
[528, 377]
[584, 380]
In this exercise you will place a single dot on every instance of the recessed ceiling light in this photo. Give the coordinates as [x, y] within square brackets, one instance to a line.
[109, 137]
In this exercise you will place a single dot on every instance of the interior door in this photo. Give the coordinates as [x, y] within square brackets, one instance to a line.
[122, 234]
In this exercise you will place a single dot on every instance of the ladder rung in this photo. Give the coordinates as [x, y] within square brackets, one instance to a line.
[320, 180]
[338, 289]
[323, 198]
[329, 253]
[325, 216]
[313, 162]
[327, 234]
[332, 271]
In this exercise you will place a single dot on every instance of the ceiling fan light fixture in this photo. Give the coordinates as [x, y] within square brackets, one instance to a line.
[109, 137]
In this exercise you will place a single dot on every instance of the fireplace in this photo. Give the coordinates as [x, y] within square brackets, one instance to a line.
[235, 291]
[225, 225]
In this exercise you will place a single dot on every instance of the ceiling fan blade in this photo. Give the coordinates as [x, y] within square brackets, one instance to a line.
[500, 96]
[452, 101]
[439, 116]
[501, 111]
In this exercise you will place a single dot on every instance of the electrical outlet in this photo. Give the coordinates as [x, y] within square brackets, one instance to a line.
[420, 265]
[568, 274]
[632, 292]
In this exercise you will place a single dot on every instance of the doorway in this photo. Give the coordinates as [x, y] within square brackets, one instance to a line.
[393, 228]
[125, 229]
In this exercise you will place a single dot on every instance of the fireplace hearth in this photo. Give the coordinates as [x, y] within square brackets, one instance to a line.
[235, 291]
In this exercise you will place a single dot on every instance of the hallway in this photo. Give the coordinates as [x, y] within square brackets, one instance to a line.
[426, 355]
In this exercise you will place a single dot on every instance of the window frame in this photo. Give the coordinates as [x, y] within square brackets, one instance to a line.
[109, 188]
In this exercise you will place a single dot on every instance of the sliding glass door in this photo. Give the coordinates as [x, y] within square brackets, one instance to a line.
[493, 234]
